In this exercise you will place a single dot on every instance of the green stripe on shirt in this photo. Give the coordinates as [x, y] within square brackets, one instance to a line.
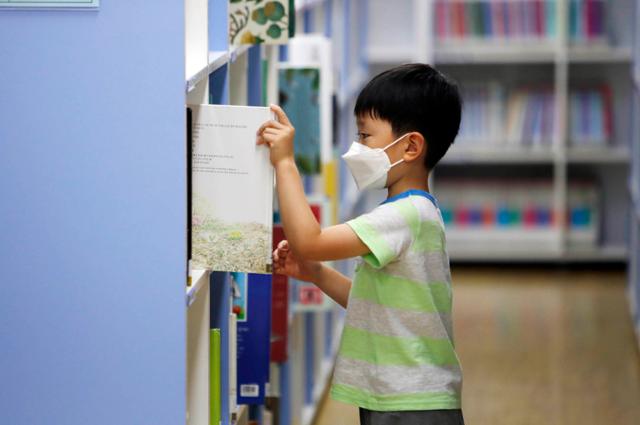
[411, 401]
[396, 292]
[388, 350]
[381, 252]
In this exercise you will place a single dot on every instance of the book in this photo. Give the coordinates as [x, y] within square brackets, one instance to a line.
[300, 99]
[233, 365]
[232, 189]
[279, 308]
[215, 396]
[257, 22]
[254, 339]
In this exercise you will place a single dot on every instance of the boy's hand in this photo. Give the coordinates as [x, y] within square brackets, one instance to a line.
[278, 136]
[284, 262]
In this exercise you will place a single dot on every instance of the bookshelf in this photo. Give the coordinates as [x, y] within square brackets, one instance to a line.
[219, 74]
[552, 52]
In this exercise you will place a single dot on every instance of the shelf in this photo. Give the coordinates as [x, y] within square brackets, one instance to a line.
[460, 154]
[498, 155]
[599, 54]
[199, 278]
[478, 52]
[599, 255]
[217, 59]
[598, 155]
[482, 52]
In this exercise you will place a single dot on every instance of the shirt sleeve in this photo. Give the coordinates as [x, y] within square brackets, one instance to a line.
[386, 233]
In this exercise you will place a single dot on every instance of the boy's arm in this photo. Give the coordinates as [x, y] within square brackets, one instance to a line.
[307, 240]
[333, 283]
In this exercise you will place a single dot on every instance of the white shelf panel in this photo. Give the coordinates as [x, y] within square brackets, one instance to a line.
[497, 154]
[199, 278]
[599, 54]
[217, 59]
[479, 52]
[502, 155]
[598, 255]
[468, 52]
[599, 155]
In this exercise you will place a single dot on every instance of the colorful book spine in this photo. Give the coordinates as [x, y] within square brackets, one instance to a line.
[591, 116]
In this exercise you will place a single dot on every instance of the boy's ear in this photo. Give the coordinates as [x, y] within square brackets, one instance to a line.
[415, 148]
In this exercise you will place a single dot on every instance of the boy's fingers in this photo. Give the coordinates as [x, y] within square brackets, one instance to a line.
[283, 245]
[282, 117]
[269, 124]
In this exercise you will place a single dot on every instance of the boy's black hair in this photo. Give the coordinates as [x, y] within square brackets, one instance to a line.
[415, 97]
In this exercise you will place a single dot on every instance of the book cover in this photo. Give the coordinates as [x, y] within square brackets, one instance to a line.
[232, 189]
[258, 22]
[300, 99]
[254, 339]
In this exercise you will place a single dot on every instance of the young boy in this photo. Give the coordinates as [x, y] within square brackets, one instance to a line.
[396, 359]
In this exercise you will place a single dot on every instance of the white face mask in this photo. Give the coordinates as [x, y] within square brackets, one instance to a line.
[370, 166]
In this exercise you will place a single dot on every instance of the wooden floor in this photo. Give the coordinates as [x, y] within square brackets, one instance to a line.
[540, 347]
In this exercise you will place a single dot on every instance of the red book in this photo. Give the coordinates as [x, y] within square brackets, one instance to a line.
[608, 113]
[279, 308]
[539, 16]
[588, 19]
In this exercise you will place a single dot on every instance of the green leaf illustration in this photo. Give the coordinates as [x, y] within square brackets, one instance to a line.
[259, 16]
[274, 31]
[274, 11]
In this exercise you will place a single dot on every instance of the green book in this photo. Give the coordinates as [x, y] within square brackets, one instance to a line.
[214, 377]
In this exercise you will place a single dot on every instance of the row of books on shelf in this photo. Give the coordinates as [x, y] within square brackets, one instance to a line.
[256, 335]
[517, 19]
[518, 207]
[526, 116]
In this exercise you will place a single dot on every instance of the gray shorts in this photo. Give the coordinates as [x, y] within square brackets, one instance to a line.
[412, 417]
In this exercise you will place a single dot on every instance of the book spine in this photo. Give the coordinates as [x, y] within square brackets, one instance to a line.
[215, 396]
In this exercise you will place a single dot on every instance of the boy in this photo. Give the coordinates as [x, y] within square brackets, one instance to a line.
[396, 359]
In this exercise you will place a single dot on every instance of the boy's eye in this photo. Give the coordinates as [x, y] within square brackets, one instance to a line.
[362, 136]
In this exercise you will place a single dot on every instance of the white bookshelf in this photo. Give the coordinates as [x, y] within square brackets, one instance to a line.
[202, 60]
[563, 64]
[198, 349]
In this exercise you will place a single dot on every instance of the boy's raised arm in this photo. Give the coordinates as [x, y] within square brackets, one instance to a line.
[307, 240]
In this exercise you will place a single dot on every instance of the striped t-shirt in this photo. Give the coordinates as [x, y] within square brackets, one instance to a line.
[397, 350]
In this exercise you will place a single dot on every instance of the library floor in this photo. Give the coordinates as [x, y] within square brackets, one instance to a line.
[539, 346]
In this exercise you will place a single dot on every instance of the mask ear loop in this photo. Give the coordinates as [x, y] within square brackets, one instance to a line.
[393, 143]
[396, 163]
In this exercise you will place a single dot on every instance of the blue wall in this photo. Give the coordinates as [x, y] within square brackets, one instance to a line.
[93, 215]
